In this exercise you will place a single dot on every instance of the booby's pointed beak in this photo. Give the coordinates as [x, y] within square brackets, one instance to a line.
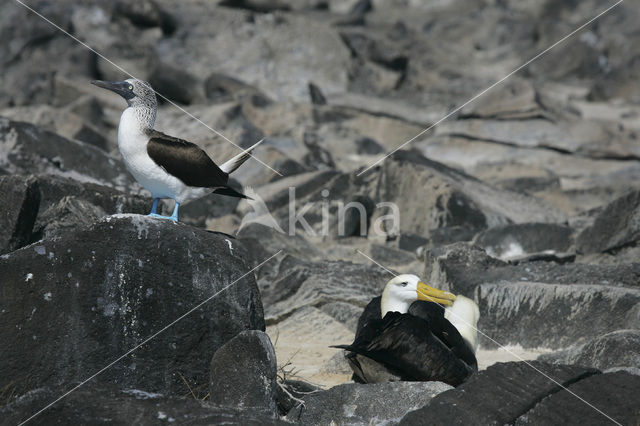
[430, 294]
[122, 88]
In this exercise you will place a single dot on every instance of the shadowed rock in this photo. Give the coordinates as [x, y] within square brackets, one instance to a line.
[90, 296]
[68, 205]
[145, 14]
[617, 225]
[553, 315]
[538, 303]
[448, 197]
[104, 404]
[498, 395]
[28, 149]
[618, 349]
[358, 404]
[508, 242]
[243, 374]
[174, 83]
[20, 199]
[609, 397]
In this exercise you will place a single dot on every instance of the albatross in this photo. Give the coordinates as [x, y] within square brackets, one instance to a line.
[415, 332]
[166, 166]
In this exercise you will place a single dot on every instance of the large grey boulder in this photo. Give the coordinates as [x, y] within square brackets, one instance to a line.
[450, 197]
[301, 284]
[365, 404]
[28, 149]
[603, 399]
[616, 350]
[243, 374]
[554, 315]
[233, 42]
[498, 395]
[67, 205]
[538, 303]
[617, 225]
[526, 240]
[101, 404]
[72, 305]
[20, 198]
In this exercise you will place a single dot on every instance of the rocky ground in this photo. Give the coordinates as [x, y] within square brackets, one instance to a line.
[527, 200]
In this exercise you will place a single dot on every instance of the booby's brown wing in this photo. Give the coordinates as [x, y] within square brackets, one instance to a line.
[186, 161]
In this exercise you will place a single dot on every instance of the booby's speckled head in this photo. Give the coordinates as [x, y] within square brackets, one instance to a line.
[403, 290]
[135, 92]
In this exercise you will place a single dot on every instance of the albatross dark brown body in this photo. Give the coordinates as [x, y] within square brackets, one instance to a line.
[420, 345]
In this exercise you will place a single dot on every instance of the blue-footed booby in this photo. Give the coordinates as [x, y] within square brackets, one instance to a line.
[415, 332]
[166, 166]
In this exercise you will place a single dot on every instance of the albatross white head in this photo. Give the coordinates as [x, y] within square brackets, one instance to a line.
[403, 290]
[462, 312]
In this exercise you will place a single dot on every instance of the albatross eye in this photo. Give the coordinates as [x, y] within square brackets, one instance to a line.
[404, 284]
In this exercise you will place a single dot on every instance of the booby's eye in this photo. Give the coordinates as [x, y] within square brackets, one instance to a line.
[130, 87]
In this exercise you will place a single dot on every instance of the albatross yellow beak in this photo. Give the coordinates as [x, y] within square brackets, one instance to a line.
[430, 294]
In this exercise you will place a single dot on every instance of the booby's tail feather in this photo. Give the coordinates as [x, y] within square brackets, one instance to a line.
[231, 165]
[230, 192]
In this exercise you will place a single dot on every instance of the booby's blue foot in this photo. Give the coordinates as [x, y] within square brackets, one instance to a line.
[154, 208]
[174, 215]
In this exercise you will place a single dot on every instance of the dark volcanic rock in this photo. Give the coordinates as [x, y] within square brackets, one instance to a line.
[222, 88]
[197, 212]
[619, 348]
[112, 201]
[68, 205]
[462, 267]
[458, 267]
[553, 315]
[261, 6]
[25, 148]
[617, 225]
[299, 284]
[604, 398]
[174, 83]
[368, 146]
[317, 98]
[447, 197]
[498, 395]
[539, 303]
[20, 198]
[411, 242]
[386, 255]
[243, 374]
[38, 52]
[146, 14]
[289, 393]
[99, 404]
[361, 404]
[90, 296]
[263, 241]
[67, 216]
[507, 242]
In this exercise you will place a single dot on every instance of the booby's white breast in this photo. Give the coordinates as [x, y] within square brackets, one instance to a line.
[132, 143]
